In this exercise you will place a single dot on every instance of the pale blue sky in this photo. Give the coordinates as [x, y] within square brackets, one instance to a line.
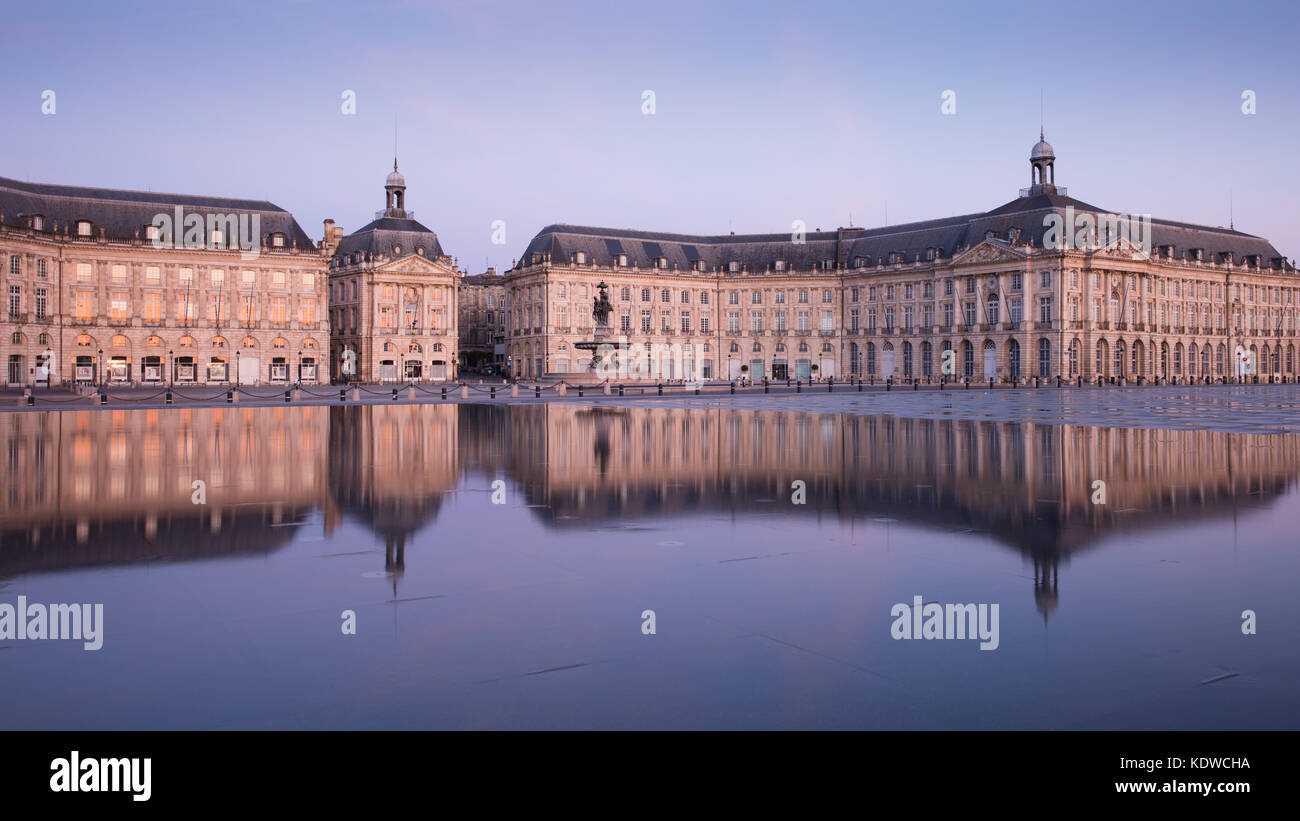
[766, 112]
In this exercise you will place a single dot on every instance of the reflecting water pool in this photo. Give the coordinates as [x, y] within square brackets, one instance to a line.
[569, 566]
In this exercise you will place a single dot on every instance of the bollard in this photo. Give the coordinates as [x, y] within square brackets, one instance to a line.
[697, 389]
[798, 386]
[286, 396]
[579, 391]
[537, 391]
[394, 394]
[1058, 381]
[492, 392]
[230, 397]
[444, 391]
[168, 399]
[343, 394]
[830, 387]
[620, 390]
[967, 379]
[660, 387]
[990, 383]
[916, 386]
[889, 384]
[940, 384]
[1080, 382]
[733, 387]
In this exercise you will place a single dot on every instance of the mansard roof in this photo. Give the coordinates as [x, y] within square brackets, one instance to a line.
[1021, 218]
[385, 233]
[122, 214]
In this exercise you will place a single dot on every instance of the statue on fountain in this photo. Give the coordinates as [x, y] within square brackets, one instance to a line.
[602, 307]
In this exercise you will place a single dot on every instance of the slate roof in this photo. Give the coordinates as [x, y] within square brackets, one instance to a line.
[123, 214]
[949, 235]
[384, 233]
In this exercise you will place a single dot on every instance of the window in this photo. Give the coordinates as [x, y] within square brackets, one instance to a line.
[733, 321]
[277, 240]
[119, 274]
[705, 324]
[645, 294]
[733, 267]
[218, 276]
[247, 277]
[622, 260]
[118, 308]
[15, 301]
[780, 321]
[277, 278]
[664, 296]
[756, 321]
[1045, 279]
[41, 308]
[645, 322]
[40, 268]
[153, 307]
[15, 265]
[1045, 309]
[907, 293]
[704, 297]
[83, 228]
[828, 319]
[152, 275]
[625, 322]
[802, 320]
[1015, 282]
[803, 297]
[686, 297]
[308, 306]
[779, 265]
[686, 322]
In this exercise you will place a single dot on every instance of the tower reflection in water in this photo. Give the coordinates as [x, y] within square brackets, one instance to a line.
[105, 488]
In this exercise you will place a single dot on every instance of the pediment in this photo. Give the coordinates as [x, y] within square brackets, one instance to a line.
[412, 264]
[989, 251]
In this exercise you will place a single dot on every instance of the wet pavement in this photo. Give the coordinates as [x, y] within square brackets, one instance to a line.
[499, 560]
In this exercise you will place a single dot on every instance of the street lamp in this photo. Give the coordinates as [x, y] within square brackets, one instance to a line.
[100, 367]
[299, 379]
[236, 379]
[170, 367]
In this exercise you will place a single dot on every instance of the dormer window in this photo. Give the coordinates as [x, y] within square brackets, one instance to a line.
[930, 254]
[622, 260]
[858, 262]
[827, 264]
[895, 257]
[83, 228]
[661, 262]
[580, 257]
[277, 240]
[1198, 254]
[397, 250]
[38, 222]
[779, 265]
[419, 249]
[151, 232]
[733, 267]
[700, 265]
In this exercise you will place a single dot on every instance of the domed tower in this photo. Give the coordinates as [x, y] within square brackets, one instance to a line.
[1042, 162]
[395, 186]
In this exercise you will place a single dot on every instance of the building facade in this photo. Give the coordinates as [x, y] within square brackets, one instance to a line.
[1013, 293]
[482, 319]
[134, 287]
[392, 298]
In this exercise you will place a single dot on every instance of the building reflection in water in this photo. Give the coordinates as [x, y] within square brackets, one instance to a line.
[86, 488]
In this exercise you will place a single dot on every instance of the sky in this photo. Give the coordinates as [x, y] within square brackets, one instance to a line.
[533, 113]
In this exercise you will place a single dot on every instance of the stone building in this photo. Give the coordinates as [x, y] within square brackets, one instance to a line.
[112, 286]
[1014, 293]
[392, 297]
[482, 319]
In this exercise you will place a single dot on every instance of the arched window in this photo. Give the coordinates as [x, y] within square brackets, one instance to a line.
[992, 309]
[437, 347]
[119, 341]
[249, 342]
[871, 358]
[186, 341]
[153, 340]
[309, 344]
[218, 342]
[84, 341]
[278, 342]
[735, 348]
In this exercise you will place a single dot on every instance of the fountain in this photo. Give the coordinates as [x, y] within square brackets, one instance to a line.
[601, 343]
